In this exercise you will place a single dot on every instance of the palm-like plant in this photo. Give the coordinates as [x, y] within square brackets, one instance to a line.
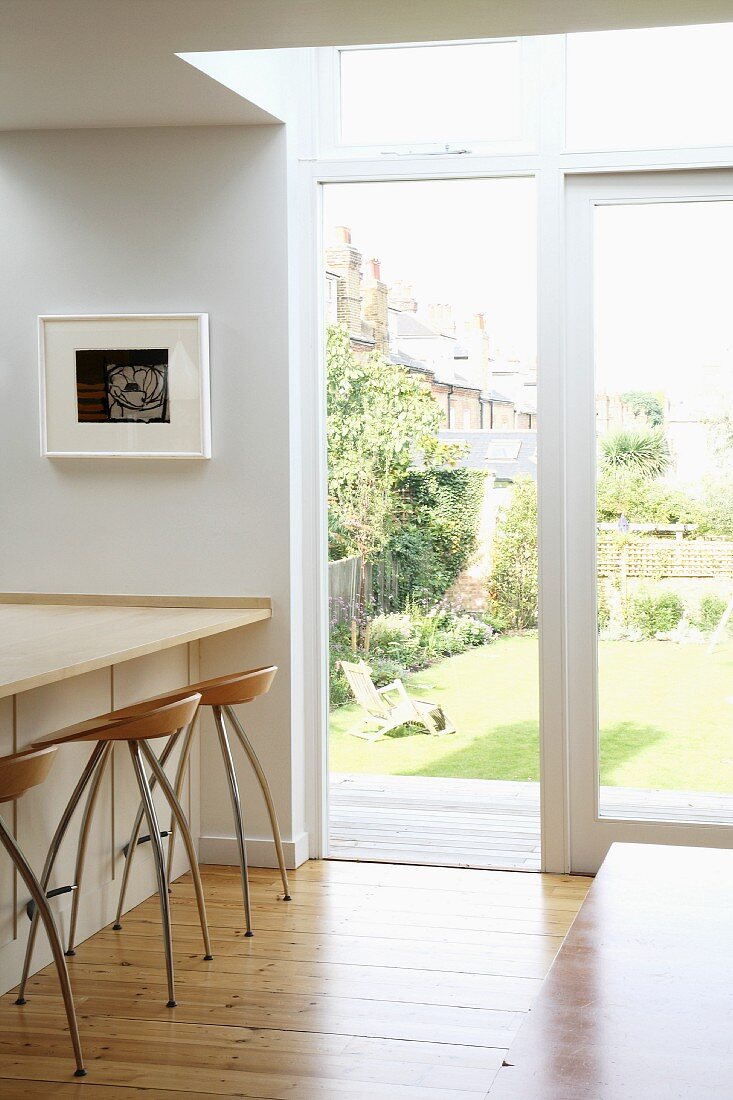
[640, 451]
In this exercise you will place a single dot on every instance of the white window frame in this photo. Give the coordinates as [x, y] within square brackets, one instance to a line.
[323, 162]
[332, 147]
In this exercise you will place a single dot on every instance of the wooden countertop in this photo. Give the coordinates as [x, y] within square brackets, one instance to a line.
[638, 1003]
[45, 638]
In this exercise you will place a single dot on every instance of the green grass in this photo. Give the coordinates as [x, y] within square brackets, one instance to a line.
[665, 722]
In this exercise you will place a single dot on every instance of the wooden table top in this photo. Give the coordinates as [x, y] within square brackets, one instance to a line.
[639, 1001]
[41, 643]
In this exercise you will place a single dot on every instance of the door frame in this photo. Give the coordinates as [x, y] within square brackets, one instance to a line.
[590, 833]
[554, 168]
[548, 185]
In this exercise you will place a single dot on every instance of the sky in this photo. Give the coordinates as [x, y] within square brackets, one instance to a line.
[663, 289]
[663, 271]
[469, 243]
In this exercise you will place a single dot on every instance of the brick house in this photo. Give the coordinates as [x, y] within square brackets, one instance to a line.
[457, 368]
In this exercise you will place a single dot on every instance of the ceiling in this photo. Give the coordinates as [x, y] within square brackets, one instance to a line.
[69, 63]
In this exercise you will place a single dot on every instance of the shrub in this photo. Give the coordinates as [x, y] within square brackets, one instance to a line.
[473, 631]
[396, 638]
[384, 670]
[399, 644]
[339, 649]
[626, 493]
[656, 613]
[711, 612]
[495, 622]
[604, 611]
[448, 643]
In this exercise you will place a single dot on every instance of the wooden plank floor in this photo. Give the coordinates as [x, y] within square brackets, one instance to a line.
[475, 822]
[405, 983]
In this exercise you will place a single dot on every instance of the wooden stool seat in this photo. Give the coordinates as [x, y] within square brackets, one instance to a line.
[230, 689]
[142, 722]
[136, 726]
[221, 693]
[23, 770]
[19, 773]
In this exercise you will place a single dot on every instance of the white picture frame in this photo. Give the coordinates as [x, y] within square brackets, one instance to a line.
[125, 385]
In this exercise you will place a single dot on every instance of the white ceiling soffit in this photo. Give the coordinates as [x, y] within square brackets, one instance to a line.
[67, 63]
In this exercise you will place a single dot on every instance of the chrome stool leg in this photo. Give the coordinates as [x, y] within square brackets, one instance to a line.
[134, 836]
[81, 852]
[39, 897]
[226, 753]
[267, 794]
[178, 788]
[63, 825]
[180, 817]
[157, 846]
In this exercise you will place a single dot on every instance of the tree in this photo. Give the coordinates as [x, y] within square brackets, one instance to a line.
[513, 584]
[381, 421]
[646, 404]
[642, 451]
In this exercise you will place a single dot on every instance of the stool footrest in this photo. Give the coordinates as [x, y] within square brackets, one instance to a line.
[31, 906]
[145, 839]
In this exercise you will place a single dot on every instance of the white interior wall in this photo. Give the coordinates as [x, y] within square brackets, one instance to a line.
[156, 220]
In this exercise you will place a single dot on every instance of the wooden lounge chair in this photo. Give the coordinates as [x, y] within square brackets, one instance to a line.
[388, 715]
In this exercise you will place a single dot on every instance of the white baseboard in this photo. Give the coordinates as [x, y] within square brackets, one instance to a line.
[260, 851]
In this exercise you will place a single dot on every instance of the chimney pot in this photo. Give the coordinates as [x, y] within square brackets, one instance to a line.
[374, 270]
[480, 321]
[343, 234]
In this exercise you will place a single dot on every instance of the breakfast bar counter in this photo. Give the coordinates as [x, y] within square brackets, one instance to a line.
[67, 658]
[47, 638]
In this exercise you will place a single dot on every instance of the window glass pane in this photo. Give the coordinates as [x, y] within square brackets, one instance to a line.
[431, 380]
[664, 419]
[660, 88]
[415, 94]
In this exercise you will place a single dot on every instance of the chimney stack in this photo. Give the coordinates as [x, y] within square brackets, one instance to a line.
[374, 305]
[345, 261]
[440, 318]
[400, 297]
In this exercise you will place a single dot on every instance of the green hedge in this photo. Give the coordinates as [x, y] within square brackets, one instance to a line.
[436, 531]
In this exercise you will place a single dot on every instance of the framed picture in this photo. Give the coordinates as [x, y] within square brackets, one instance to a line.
[133, 385]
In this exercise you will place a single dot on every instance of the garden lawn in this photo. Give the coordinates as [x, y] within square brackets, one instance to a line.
[665, 719]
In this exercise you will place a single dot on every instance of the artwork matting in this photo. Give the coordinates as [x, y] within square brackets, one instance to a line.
[124, 385]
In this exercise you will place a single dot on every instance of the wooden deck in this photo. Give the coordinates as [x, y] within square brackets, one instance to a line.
[451, 822]
[475, 822]
[374, 983]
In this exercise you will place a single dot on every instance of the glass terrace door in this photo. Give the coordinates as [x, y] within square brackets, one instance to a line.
[649, 414]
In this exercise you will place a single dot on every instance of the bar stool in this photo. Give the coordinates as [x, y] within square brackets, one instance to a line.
[137, 725]
[222, 694]
[18, 774]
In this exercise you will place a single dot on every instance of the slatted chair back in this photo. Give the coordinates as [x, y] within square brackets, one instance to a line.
[359, 679]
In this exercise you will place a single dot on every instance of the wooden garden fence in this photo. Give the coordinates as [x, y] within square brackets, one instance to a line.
[343, 587]
[657, 558]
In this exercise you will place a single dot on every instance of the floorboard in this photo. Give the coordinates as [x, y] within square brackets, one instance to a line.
[405, 983]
